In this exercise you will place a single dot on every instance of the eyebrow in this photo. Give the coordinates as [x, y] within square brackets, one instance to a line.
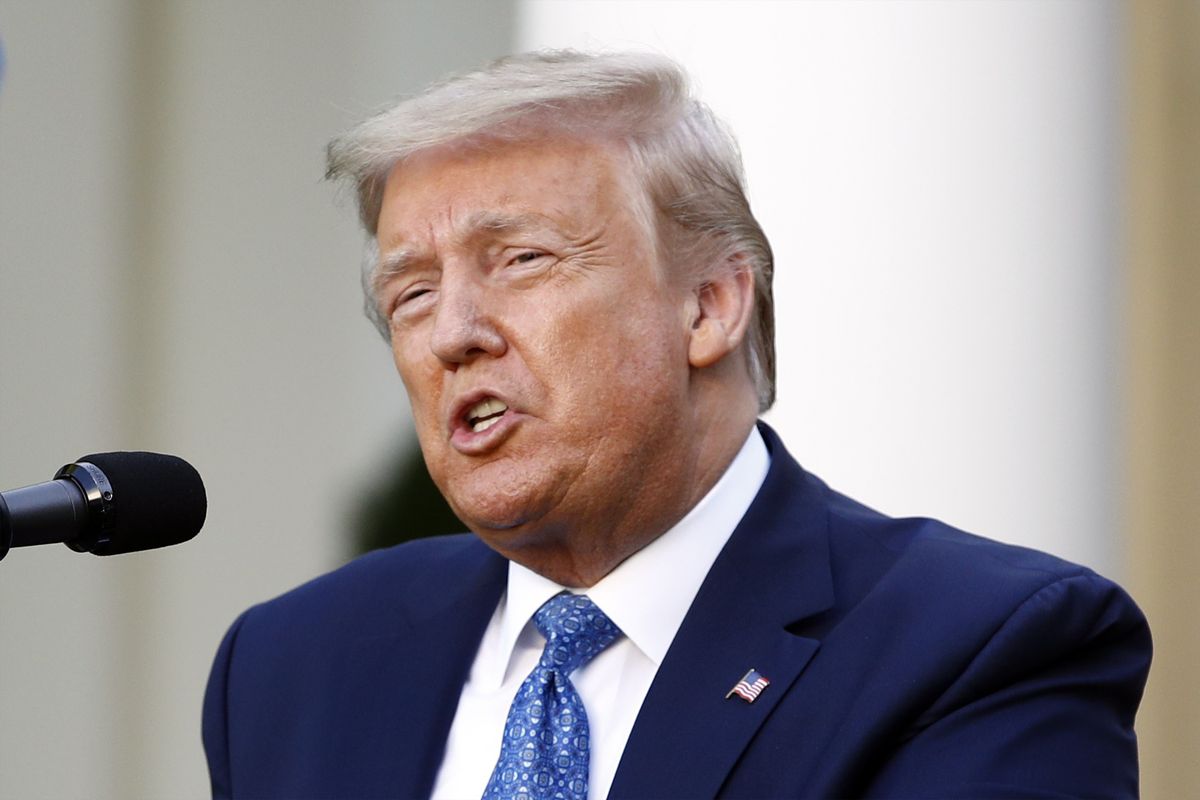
[495, 222]
[395, 262]
[402, 259]
[389, 265]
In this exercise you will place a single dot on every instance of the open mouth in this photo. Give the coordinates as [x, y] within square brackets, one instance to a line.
[485, 414]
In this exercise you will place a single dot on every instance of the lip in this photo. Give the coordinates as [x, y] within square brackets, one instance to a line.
[471, 443]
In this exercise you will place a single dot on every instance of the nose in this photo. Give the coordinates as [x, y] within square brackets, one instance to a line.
[463, 327]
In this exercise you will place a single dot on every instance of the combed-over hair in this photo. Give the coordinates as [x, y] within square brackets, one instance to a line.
[685, 157]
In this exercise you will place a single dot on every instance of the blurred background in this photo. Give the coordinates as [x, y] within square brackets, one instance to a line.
[985, 217]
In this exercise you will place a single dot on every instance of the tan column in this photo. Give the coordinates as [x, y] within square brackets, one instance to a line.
[1163, 379]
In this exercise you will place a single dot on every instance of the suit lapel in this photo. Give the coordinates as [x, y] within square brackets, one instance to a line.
[409, 684]
[773, 572]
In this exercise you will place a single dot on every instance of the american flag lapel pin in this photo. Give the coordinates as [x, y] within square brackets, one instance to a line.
[749, 687]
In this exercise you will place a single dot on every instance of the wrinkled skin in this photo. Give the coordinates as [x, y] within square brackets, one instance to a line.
[528, 273]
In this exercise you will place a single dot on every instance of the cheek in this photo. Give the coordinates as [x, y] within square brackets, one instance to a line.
[625, 357]
[422, 381]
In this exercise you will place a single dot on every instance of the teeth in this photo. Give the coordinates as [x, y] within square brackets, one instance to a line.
[485, 414]
[485, 408]
[484, 424]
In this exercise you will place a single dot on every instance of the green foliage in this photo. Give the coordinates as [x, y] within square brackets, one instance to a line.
[404, 505]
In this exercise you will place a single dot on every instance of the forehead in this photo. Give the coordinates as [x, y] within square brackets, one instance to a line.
[562, 182]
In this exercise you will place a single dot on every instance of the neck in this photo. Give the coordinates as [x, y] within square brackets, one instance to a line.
[584, 551]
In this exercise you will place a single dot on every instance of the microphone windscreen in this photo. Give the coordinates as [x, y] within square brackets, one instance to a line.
[158, 500]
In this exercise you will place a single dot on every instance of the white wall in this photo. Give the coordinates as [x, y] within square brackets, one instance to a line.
[61, 126]
[175, 275]
[938, 184]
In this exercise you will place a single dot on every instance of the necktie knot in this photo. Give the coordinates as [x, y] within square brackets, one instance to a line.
[545, 749]
[576, 630]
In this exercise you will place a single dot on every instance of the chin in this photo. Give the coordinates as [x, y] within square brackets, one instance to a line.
[492, 526]
[491, 514]
[509, 530]
[495, 501]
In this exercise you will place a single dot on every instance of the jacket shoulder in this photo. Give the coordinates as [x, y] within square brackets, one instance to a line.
[871, 552]
[305, 688]
[375, 595]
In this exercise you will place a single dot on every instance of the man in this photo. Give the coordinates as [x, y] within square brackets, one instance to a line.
[657, 601]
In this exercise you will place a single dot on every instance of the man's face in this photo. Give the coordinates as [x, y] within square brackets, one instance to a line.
[543, 346]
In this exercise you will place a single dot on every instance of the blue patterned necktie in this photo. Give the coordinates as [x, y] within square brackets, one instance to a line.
[544, 753]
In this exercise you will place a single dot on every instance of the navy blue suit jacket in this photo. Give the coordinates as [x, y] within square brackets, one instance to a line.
[906, 659]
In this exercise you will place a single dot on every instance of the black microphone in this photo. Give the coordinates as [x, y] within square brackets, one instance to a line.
[106, 504]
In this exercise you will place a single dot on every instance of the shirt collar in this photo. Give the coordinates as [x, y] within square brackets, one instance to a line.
[648, 595]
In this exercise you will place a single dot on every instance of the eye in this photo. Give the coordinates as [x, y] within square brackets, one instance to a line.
[410, 295]
[525, 256]
[407, 301]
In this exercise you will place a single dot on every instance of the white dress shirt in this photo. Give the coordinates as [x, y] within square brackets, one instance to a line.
[647, 597]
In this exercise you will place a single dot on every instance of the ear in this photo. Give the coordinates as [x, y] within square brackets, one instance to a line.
[723, 307]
